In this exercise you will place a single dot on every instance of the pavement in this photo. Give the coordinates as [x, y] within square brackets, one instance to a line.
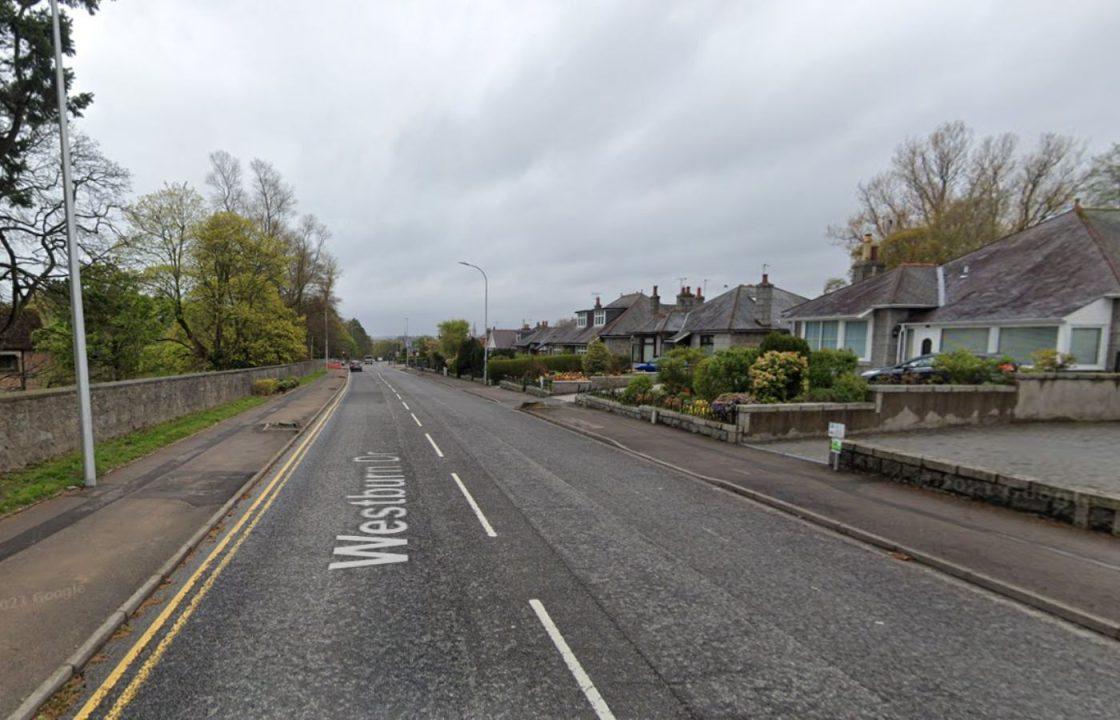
[430, 553]
[68, 562]
[1075, 455]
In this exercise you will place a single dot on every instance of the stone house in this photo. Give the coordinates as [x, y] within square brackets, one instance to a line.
[1053, 286]
[19, 363]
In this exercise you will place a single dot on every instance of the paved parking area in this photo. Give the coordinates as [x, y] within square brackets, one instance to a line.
[1073, 454]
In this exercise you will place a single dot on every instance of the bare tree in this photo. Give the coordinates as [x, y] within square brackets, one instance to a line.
[1103, 181]
[305, 251]
[272, 201]
[162, 227]
[227, 191]
[33, 233]
[946, 194]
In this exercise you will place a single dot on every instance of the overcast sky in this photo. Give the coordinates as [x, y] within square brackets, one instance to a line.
[573, 147]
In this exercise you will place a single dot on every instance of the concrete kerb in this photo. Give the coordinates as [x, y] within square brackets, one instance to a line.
[1087, 620]
[78, 659]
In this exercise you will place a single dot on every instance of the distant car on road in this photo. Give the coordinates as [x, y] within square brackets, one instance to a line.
[355, 366]
[368, 360]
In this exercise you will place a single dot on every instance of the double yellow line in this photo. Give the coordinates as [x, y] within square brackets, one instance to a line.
[236, 536]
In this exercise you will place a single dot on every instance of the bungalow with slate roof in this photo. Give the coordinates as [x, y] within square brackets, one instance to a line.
[1053, 286]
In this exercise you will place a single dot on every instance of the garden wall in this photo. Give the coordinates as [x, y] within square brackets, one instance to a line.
[894, 408]
[701, 426]
[1069, 396]
[41, 424]
[1087, 509]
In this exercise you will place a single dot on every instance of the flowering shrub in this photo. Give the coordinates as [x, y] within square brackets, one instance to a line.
[1051, 360]
[779, 377]
[699, 408]
[639, 387]
[569, 376]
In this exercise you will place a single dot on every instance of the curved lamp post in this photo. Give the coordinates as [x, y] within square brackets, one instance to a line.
[485, 321]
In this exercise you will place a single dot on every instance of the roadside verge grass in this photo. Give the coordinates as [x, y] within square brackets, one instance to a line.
[34, 483]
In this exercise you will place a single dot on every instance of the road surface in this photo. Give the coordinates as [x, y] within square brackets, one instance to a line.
[428, 553]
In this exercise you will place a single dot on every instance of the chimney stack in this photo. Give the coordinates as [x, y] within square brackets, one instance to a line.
[655, 301]
[699, 296]
[764, 300]
[685, 298]
[869, 264]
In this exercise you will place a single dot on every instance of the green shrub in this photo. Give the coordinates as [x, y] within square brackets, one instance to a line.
[961, 367]
[783, 342]
[597, 359]
[849, 387]
[727, 371]
[620, 363]
[287, 383]
[779, 377]
[827, 365]
[1050, 360]
[639, 386]
[265, 386]
[675, 368]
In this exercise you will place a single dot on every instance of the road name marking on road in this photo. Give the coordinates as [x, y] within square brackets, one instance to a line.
[382, 502]
[474, 506]
[418, 423]
[597, 703]
[264, 501]
[406, 407]
[434, 446]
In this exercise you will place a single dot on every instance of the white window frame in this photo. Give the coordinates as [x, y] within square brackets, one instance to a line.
[841, 334]
[581, 320]
[600, 318]
[1102, 346]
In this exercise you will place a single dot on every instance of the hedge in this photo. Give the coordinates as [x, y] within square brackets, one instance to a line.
[532, 366]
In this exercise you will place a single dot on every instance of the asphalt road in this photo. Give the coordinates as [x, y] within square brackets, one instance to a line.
[543, 574]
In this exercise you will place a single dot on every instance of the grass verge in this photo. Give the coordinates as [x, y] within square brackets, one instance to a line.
[32, 484]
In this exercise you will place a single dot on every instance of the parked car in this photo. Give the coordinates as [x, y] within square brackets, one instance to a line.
[646, 367]
[921, 367]
[368, 360]
[355, 366]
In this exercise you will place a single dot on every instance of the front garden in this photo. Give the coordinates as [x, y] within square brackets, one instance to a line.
[782, 369]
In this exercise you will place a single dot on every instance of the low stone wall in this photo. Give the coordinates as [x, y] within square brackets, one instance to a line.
[1068, 396]
[41, 424]
[614, 382]
[701, 426]
[894, 408]
[1092, 510]
[787, 421]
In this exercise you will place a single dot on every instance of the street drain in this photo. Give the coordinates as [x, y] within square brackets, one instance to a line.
[287, 425]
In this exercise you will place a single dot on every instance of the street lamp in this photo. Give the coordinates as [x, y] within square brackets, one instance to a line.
[77, 315]
[485, 321]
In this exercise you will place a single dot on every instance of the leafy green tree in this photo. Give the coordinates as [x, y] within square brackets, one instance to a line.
[363, 344]
[452, 335]
[120, 320]
[235, 315]
[597, 360]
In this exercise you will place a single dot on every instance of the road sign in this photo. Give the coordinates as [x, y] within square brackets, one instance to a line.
[836, 430]
[836, 444]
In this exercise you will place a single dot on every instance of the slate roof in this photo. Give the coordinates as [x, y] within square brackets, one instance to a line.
[1041, 273]
[913, 286]
[503, 339]
[737, 310]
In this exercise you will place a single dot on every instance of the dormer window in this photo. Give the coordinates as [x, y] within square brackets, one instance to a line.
[600, 318]
[581, 320]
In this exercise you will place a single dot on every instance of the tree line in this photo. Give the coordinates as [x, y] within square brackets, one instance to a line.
[173, 281]
[949, 193]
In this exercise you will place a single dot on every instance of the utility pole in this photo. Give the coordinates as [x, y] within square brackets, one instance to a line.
[485, 322]
[77, 315]
[405, 343]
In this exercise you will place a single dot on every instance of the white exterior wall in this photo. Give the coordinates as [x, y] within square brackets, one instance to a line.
[1097, 314]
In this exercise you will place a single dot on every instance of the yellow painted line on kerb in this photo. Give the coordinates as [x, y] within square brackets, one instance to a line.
[277, 483]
